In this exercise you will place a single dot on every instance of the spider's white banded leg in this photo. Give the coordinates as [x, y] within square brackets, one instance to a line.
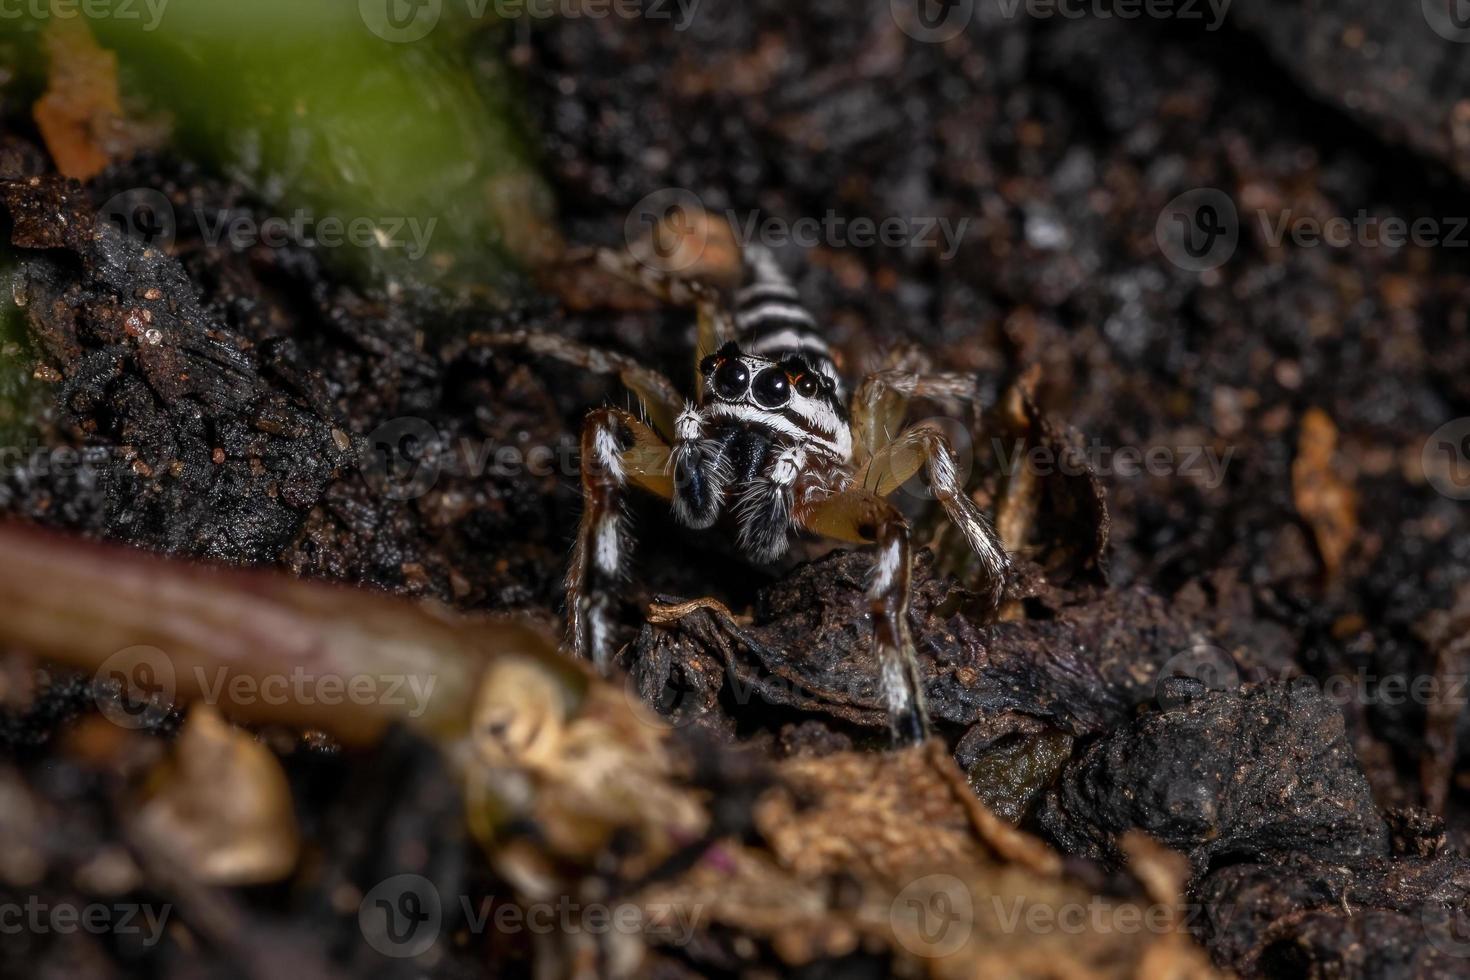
[660, 399]
[925, 446]
[879, 404]
[860, 515]
[617, 449]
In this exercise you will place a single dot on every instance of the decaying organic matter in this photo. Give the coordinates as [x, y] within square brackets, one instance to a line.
[1222, 776]
[1235, 558]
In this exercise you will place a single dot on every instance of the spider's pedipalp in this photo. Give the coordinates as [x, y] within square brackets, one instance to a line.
[700, 469]
[764, 508]
[925, 446]
[879, 404]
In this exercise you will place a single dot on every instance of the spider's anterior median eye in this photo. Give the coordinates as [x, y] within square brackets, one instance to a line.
[772, 389]
[730, 380]
[806, 385]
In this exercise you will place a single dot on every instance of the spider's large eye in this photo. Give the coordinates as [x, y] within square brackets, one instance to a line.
[772, 389]
[730, 381]
[806, 385]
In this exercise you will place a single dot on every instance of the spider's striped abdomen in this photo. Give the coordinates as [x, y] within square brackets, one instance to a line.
[771, 322]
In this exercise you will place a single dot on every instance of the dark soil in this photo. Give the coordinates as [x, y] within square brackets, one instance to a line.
[238, 404]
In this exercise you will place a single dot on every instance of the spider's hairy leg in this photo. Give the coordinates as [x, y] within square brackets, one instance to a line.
[617, 449]
[881, 401]
[660, 399]
[715, 322]
[926, 446]
[862, 516]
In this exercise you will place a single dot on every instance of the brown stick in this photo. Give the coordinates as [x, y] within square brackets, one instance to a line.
[251, 641]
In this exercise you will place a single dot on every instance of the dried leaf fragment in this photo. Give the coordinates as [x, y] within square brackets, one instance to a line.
[1324, 499]
[80, 116]
[222, 805]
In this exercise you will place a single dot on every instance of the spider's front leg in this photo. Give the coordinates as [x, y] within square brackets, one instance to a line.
[656, 393]
[617, 449]
[881, 401]
[861, 516]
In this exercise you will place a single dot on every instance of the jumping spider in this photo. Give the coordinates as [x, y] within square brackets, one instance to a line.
[771, 439]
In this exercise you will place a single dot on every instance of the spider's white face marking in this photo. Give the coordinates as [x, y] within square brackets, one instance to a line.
[837, 445]
[785, 396]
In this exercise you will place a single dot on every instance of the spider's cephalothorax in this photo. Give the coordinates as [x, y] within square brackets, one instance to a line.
[771, 440]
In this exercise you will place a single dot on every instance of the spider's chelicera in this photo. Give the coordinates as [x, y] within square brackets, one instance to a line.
[772, 439]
